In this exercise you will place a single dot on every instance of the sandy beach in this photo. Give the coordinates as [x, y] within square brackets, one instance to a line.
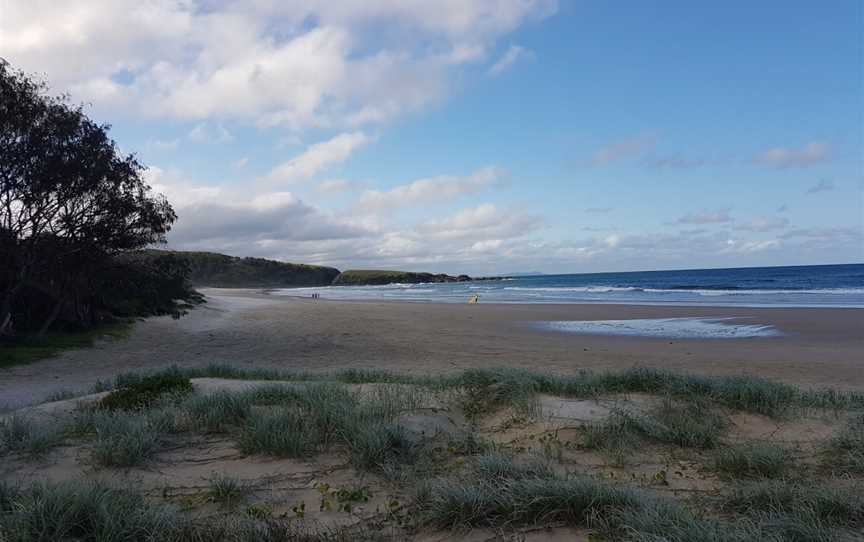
[819, 347]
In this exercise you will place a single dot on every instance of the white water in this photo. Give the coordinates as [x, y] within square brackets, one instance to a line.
[677, 328]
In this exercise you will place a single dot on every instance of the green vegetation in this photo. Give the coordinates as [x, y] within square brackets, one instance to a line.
[387, 442]
[845, 452]
[684, 424]
[31, 348]
[142, 392]
[755, 460]
[358, 277]
[226, 490]
[222, 271]
[19, 434]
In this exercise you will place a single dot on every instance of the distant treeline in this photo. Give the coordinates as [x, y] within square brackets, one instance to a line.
[221, 271]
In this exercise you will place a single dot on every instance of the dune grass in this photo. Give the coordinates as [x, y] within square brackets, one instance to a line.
[754, 460]
[20, 434]
[688, 424]
[225, 489]
[844, 453]
[518, 387]
[126, 439]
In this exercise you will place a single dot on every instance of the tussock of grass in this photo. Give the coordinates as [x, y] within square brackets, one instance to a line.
[125, 439]
[19, 434]
[138, 393]
[217, 412]
[757, 460]
[685, 424]
[283, 432]
[797, 503]
[845, 452]
[226, 490]
[85, 511]
[488, 390]
[96, 512]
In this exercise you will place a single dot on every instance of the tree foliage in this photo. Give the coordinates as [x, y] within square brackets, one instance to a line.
[72, 207]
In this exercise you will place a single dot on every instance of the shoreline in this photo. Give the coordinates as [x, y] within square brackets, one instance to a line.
[821, 347]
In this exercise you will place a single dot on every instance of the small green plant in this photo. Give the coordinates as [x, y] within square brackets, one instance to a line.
[260, 511]
[344, 498]
[757, 460]
[225, 490]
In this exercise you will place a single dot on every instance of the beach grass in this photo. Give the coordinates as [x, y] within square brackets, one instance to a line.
[474, 475]
[754, 460]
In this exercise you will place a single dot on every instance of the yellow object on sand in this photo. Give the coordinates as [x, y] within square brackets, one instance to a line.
[474, 299]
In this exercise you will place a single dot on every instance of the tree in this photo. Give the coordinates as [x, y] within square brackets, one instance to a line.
[69, 200]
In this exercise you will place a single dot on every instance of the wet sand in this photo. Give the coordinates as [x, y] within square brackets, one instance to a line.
[819, 347]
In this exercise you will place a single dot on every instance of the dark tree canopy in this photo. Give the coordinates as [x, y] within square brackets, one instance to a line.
[70, 204]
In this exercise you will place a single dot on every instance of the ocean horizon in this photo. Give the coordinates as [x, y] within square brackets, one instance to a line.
[835, 285]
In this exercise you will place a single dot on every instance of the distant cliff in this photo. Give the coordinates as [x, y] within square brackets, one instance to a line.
[222, 271]
[370, 277]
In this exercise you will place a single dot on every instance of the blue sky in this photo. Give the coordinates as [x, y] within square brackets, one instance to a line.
[480, 136]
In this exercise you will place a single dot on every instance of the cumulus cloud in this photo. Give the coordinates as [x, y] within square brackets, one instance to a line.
[821, 186]
[514, 54]
[319, 156]
[675, 161]
[812, 153]
[719, 216]
[298, 64]
[621, 150]
[486, 221]
[431, 189]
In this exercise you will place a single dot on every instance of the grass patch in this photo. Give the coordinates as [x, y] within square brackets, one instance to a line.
[756, 460]
[798, 503]
[226, 490]
[19, 434]
[514, 386]
[139, 393]
[217, 412]
[284, 432]
[126, 439]
[844, 453]
[686, 424]
[32, 348]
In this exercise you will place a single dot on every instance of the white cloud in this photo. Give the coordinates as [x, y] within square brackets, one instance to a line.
[240, 163]
[204, 133]
[296, 63]
[319, 156]
[719, 216]
[509, 58]
[485, 221]
[428, 190]
[621, 150]
[813, 153]
[821, 186]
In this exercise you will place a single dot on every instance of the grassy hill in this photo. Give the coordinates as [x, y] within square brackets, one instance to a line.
[374, 276]
[222, 271]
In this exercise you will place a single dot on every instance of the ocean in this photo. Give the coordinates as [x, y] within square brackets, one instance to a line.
[793, 286]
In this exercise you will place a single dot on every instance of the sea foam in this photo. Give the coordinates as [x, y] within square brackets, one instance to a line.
[677, 328]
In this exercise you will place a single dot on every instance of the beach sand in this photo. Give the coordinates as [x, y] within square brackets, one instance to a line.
[818, 348]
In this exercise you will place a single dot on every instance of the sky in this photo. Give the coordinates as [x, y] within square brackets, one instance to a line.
[478, 136]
